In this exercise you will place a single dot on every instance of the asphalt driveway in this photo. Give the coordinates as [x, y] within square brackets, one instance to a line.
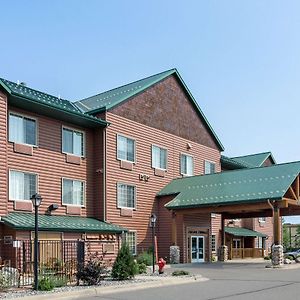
[226, 281]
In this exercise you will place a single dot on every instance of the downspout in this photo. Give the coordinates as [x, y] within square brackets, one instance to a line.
[104, 174]
[272, 207]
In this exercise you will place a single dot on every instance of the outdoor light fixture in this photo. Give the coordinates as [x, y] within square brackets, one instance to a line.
[36, 202]
[152, 224]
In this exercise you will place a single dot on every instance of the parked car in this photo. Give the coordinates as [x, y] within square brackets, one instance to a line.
[294, 254]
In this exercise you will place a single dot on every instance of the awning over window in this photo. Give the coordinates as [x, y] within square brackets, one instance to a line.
[240, 231]
[25, 221]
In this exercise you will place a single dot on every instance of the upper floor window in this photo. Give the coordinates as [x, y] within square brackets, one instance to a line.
[126, 196]
[73, 192]
[125, 148]
[22, 129]
[159, 157]
[187, 165]
[209, 167]
[22, 185]
[72, 142]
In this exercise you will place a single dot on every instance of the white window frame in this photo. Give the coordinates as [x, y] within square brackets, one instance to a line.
[83, 140]
[27, 117]
[135, 196]
[193, 164]
[25, 172]
[134, 147]
[62, 192]
[215, 242]
[210, 162]
[163, 148]
[135, 245]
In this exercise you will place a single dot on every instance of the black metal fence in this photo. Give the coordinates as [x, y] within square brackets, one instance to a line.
[59, 260]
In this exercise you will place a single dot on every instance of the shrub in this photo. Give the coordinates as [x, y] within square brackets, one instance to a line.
[180, 273]
[145, 257]
[289, 257]
[45, 284]
[142, 268]
[93, 271]
[124, 266]
[4, 281]
[59, 281]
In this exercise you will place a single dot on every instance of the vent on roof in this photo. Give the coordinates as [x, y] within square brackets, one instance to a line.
[23, 83]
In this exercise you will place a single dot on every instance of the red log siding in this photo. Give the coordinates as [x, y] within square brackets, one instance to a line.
[3, 151]
[146, 191]
[216, 221]
[266, 228]
[165, 106]
[50, 164]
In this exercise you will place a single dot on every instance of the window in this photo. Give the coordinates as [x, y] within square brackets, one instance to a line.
[126, 195]
[159, 158]
[187, 165]
[131, 241]
[125, 148]
[73, 192]
[262, 220]
[260, 242]
[72, 142]
[22, 129]
[209, 167]
[213, 243]
[22, 185]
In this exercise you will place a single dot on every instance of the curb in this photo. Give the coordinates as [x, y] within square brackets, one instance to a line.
[98, 291]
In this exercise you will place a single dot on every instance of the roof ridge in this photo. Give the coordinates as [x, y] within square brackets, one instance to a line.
[251, 154]
[237, 170]
[120, 86]
[27, 87]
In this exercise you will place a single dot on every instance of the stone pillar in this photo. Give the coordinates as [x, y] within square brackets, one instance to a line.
[223, 253]
[277, 255]
[174, 255]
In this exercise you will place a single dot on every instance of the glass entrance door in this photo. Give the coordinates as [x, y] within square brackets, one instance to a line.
[197, 249]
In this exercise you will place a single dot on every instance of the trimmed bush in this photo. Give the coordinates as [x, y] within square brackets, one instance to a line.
[145, 257]
[93, 271]
[124, 266]
[45, 284]
[142, 268]
[180, 273]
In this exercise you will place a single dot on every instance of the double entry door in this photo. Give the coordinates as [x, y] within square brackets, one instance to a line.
[197, 249]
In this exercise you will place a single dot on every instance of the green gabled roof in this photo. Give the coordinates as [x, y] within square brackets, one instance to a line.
[232, 187]
[25, 221]
[240, 231]
[27, 98]
[254, 160]
[112, 98]
[231, 164]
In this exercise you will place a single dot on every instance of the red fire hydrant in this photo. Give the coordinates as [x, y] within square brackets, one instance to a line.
[161, 264]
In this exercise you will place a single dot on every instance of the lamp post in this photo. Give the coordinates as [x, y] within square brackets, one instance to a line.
[152, 224]
[36, 202]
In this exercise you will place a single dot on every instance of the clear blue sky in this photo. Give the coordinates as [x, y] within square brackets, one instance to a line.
[240, 59]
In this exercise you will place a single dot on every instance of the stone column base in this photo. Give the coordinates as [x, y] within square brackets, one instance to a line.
[277, 255]
[174, 255]
[223, 253]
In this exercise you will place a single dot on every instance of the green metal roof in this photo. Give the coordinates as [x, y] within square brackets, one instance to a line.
[27, 98]
[254, 160]
[231, 164]
[25, 221]
[232, 187]
[112, 98]
[240, 231]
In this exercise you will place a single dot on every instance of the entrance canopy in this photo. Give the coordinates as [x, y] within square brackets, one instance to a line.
[240, 231]
[242, 193]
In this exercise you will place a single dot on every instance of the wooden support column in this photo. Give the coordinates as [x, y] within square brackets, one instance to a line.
[223, 231]
[276, 225]
[174, 229]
